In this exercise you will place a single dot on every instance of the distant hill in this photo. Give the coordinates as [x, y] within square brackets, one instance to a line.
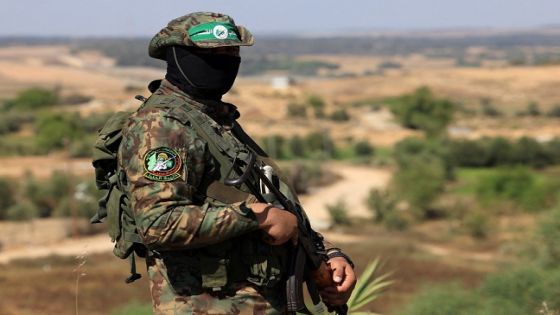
[516, 46]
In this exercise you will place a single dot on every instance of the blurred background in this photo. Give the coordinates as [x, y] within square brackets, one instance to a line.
[425, 134]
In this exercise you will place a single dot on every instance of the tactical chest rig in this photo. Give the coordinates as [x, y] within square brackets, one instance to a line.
[211, 268]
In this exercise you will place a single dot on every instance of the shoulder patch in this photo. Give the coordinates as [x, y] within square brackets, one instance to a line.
[162, 165]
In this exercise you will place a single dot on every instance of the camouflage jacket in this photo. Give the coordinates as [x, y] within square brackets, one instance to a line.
[165, 162]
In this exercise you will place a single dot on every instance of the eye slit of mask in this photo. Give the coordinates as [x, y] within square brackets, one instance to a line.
[226, 50]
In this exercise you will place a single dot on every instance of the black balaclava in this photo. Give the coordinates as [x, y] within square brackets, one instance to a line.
[202, 76]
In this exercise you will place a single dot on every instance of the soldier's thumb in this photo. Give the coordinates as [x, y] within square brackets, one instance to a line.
[337, 274]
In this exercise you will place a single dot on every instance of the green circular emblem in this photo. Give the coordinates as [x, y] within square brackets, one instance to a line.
[162, 164]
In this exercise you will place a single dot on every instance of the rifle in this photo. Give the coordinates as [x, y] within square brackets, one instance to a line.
[308, 259]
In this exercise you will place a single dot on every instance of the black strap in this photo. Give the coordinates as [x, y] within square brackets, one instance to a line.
[240, 134]
[133, 274]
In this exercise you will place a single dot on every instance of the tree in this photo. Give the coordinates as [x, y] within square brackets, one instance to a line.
[421, 110]
[55, 131]
[423, 169]
[318, 105]
[33, 98]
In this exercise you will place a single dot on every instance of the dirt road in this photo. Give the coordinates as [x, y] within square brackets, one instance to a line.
[353, 189]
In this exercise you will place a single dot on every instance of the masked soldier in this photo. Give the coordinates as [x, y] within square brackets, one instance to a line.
[212, 248]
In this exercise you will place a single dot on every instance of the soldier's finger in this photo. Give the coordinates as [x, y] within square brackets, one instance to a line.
[349, 280]
[295, 238]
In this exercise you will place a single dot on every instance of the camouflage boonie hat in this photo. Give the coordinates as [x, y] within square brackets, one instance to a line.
[200, 29]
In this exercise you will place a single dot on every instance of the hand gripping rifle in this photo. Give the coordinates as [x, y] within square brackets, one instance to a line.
[308, 259]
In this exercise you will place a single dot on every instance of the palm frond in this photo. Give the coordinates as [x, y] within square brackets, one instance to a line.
[368, 288]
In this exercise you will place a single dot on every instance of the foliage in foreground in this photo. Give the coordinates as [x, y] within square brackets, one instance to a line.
[515, 292]
[370, 287]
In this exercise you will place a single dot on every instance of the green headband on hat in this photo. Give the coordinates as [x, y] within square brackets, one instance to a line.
[213, 31]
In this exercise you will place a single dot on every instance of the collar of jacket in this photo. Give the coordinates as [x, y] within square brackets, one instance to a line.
[223, 113]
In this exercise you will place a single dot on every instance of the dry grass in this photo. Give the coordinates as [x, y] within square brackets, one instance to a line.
[48, 286]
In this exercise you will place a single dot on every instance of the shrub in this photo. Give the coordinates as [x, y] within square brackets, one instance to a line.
[389, 65]
[533, 109]
[297, 110]
[420, 184]
[490, 152]
[34, 98]
[48, 194]
[554, 111]
[380, 204]
[316, 101]
[13, 121]
[318, 105]
[477, 224]
[518, 185]
[396, 221]
[80, 202]
[81, 148]
[299, 177]
[320, 143]
[363, 149]
[412, 149]
[338, 213]
[421, 110]
[94, 122]
[442, 300]
[528, 151]
[7, 190]
[526, 288]
[548, 234]
[488, 109]
[21, 211]
[297, 147]
[423, 169]
[499, 151]
[469, 153]
[55, 131]
[512, 292]
[274, 146]
[340, 115]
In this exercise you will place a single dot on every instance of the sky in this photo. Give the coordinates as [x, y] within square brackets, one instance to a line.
[145, 17]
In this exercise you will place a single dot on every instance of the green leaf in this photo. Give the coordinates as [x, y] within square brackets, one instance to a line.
[368, 288]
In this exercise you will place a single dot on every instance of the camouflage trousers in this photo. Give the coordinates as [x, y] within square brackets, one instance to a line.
[243, 298]
[245, 301]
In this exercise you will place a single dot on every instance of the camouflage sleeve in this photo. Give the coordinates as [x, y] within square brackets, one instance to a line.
[164, 162]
